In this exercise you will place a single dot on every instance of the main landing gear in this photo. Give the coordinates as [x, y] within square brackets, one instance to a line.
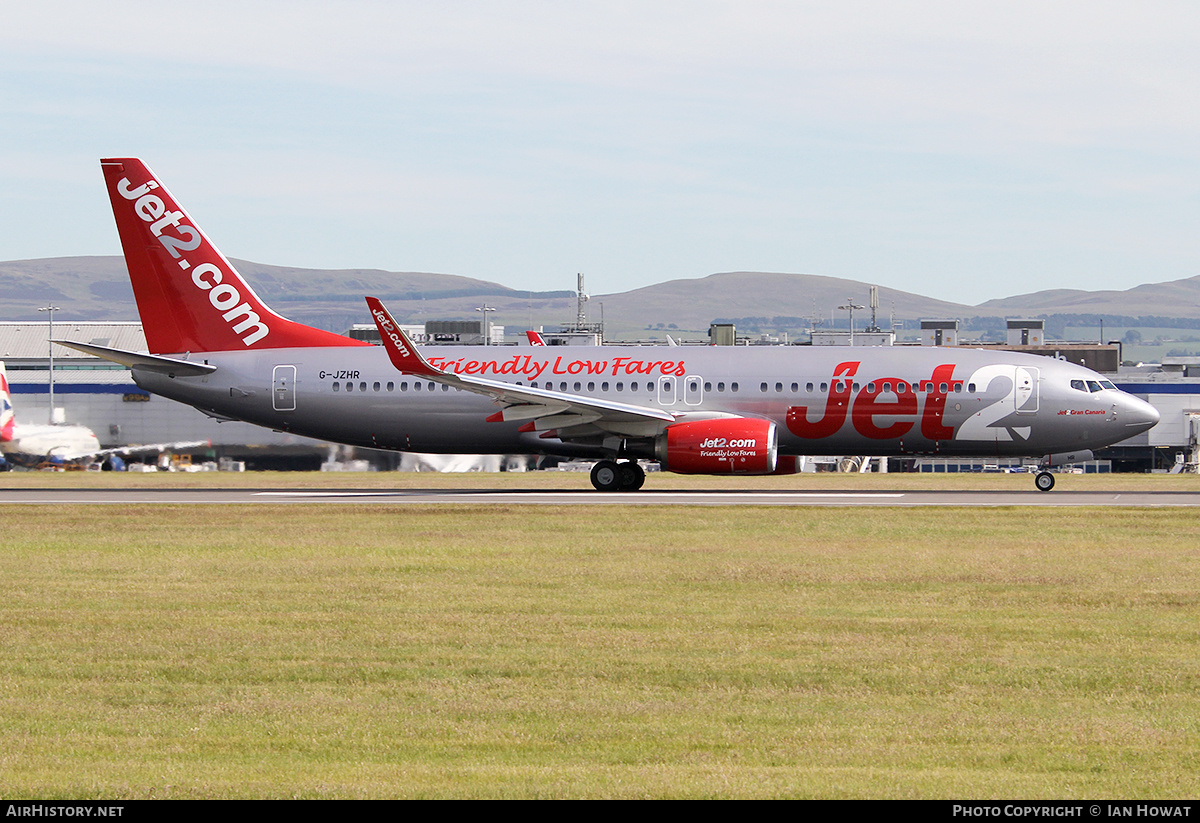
[611, 476]
[1044, 481]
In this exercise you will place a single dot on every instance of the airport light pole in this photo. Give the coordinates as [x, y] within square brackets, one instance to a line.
[851, 307]
[51, 309]
[487, 326]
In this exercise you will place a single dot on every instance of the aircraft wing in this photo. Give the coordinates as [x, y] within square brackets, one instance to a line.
[155, 447]
[96, 454]
[545, 409]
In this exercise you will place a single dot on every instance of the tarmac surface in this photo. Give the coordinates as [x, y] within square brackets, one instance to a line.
[126, 497]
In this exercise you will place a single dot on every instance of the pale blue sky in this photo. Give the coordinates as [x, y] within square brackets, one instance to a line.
[957, 149]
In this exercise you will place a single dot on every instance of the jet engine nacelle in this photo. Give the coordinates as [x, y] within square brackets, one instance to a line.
[737, 445]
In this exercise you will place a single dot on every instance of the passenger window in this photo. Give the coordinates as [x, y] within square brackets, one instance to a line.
[971, 388]
[824, 388]
[942, 388]
[808, 387]
[337, 386]
[795, 388]
[349, 386]
[604, 386]
[376, 386]
[720, 387]
[762, 386]
[733, 387]
[870, 388]
[708, 387]
[620, 386]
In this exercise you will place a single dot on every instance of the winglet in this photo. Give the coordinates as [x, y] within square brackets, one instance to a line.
[403, 353]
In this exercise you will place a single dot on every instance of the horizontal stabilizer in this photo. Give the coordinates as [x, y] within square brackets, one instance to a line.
[141, 360]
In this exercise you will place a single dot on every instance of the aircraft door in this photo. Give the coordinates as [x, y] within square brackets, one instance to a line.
[693, 390]
[1026, 390]
[283, 394]
[666, 391]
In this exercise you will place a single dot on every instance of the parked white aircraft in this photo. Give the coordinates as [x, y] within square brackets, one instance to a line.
[33, 445]
[30, 444]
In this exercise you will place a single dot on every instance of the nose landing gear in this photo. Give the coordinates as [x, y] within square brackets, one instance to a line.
[1043, 481]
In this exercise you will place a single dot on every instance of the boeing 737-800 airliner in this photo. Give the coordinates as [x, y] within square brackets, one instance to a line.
[215, 345]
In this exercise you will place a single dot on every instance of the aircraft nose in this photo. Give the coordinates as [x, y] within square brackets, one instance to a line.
[1138, 415]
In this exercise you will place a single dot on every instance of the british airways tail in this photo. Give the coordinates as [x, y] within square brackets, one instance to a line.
[7, 418]
[190, 298]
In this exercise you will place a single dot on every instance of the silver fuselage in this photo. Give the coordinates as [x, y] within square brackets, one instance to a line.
[836, 400]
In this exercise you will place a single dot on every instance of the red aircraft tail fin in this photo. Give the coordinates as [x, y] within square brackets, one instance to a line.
[190, 298]
[535, 338]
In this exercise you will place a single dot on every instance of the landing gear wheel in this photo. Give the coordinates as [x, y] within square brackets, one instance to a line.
[632, 476]
[1044, 481]
[606, 476]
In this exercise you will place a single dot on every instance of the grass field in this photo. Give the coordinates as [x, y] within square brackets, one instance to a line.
[462, 651]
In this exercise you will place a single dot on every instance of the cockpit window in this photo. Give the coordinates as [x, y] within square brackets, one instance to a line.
[1078, 385]
[1107, 384]
[1093, 386]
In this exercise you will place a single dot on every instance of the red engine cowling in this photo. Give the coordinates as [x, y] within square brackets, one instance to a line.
[738, 445]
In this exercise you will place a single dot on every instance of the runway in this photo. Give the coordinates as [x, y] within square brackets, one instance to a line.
[475, 496]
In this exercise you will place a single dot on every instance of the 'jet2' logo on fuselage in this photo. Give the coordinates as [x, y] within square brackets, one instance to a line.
[871, 402]
[224, 297]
